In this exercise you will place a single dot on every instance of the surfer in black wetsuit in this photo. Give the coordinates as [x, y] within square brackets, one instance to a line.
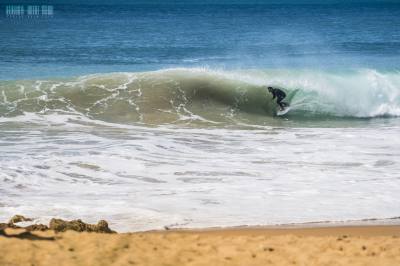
[279, 95]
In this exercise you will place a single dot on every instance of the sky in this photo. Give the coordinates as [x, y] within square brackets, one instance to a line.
[118, 2]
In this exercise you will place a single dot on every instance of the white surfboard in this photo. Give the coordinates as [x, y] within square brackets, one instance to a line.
[284, 111]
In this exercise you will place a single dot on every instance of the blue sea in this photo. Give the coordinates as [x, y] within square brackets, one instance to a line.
[159, 115]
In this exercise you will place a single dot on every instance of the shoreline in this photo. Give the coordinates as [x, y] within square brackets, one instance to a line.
[297, 230]
[31, 224]
[370, 222]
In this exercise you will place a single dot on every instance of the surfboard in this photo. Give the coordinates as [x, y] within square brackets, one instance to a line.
[289, 96]
[284, 111]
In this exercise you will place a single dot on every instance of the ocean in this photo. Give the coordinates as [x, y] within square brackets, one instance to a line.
[158, 115]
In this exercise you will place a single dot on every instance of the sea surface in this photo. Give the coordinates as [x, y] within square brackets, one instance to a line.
[158, 115]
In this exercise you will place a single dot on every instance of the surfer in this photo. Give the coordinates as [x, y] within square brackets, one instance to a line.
[279, 95]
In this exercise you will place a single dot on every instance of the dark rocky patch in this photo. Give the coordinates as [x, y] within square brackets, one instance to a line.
[58, 225]
[18, 218]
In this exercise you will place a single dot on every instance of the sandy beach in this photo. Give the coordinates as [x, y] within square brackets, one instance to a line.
[351, 245]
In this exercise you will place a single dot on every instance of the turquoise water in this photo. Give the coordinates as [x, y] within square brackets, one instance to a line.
[154, 115]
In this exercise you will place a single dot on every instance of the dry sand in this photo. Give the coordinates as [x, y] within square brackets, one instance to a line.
[355, 245]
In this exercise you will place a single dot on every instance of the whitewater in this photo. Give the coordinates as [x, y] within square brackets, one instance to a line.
[194, 147]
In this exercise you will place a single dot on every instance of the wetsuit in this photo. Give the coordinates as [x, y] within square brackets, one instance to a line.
[279, 95]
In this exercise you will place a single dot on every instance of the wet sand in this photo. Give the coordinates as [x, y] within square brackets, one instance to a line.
[351, 245]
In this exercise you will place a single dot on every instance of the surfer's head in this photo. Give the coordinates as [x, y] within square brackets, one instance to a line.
[270, 89]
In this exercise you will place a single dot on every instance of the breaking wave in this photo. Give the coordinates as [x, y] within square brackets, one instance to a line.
[185, 95]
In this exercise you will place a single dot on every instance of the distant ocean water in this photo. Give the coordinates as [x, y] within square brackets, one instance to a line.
[158, 115]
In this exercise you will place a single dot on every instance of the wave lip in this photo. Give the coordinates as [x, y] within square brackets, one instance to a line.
[200, 95]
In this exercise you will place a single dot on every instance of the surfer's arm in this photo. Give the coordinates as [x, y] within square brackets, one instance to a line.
[273, 95]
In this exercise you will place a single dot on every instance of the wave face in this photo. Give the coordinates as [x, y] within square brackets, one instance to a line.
[205, 96]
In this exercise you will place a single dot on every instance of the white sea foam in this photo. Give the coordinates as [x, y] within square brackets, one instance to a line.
[143, 178]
